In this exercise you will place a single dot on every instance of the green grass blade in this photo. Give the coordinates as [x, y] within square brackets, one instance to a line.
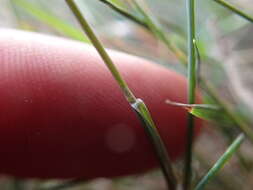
[198, 106]
[235, 10]
[190, 6]
[160, 149]
[102, 52]
[137, 104]
[221, 162]
[214, 113]
[51, 20]
[207, 112]
[211, 115]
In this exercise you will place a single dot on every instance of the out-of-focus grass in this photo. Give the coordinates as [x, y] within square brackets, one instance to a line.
[213, 24]
[48, 18]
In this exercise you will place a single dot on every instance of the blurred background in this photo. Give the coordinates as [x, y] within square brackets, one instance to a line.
[225, 46]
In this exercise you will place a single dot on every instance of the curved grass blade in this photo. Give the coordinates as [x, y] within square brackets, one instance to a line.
[137, 104]
[51, 20]
[221, 162]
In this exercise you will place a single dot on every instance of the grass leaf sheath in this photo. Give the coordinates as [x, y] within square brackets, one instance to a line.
[137, 104]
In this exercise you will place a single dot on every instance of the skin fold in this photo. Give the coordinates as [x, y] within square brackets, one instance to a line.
[64, 116]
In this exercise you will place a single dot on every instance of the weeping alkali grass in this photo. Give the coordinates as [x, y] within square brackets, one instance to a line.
[144, 116]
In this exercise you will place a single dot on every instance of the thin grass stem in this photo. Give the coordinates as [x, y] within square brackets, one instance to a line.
[223, 181]
[107, 60]
[137, 104]
[221, 162]
[163, 158]
[190, 6]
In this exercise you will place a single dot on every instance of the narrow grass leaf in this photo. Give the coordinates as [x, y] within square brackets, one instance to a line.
[192, 75]
[137, 104]
[211, 115]
[188, 106]
[221, 162]
[207, 112]
[161, 153]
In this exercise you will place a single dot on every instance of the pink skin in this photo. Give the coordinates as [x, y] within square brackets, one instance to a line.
[64, 116]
